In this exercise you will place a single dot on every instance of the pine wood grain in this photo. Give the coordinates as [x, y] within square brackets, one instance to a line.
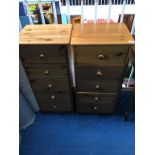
[46, 34]
[101, 34]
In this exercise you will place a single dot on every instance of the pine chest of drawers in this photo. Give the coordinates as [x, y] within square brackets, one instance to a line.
[43, 51]
[101, 55]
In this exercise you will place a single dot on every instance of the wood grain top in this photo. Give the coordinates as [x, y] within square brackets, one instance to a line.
[46, 34]
[101, 34]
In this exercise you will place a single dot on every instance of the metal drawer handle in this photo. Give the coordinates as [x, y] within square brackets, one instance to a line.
[96, 98]
[53, 97]
[101, 56]
[55, 106]
[42, 56]
[95, 108]
[99, 73]
[46, 72]
[97, 86]
[50, 86]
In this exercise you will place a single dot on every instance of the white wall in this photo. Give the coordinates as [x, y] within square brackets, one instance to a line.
[102, 11]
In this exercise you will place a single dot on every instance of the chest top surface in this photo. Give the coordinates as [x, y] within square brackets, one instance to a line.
[101, 34]
[45, 34]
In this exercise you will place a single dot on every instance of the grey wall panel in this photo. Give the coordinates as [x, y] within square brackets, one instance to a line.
[26, 114]
[26, 88]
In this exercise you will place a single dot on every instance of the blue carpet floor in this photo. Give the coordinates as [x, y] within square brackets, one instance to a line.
[67, 134]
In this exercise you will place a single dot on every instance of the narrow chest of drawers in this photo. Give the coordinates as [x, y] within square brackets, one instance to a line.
[43, 51]
[100, 56]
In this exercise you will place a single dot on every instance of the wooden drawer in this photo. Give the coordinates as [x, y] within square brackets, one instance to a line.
[98, 73]
[46, 71]
[42, 54]
[87, 104]
[100, 98]
[49, 85]
[91, 108]
[101, 55]
[54, 97]
[56, 107]
[104, 86]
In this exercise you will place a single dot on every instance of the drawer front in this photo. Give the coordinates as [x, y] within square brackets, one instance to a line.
[49, 85]
[98, 73]
[54, 97]
[46, 71]
[101, 55]
[87, 104]
[91, 108]
[98, 98]
[56, 107]
[42, 54]
[104, 86]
